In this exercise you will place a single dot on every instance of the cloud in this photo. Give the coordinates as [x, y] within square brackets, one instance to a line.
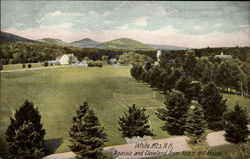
[57, 13]
[218, 25]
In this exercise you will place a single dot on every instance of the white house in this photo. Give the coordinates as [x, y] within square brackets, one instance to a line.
[64, 59]
[222, 56]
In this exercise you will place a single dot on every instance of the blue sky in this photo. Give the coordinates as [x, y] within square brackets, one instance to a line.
[190, 24]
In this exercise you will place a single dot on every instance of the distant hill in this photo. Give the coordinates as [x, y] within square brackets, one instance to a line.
[84, 43]
[53, 41]
[123, 43]
[166, 47]
[7, 37]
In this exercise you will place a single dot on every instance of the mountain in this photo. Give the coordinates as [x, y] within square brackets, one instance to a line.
[53, 41]
[7, 37]
[84, 43]
[166, 47]
[123, 43]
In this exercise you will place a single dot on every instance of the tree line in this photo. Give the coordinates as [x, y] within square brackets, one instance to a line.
[13, 53]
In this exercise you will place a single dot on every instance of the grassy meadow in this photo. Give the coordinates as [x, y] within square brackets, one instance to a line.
[58, 93]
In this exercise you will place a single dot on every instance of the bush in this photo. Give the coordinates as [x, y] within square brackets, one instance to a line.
[29, 65]
[24, 65]
[45, 64]
[95, 64]
[1, 66]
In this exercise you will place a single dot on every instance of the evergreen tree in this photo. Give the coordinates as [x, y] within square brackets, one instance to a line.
[25, 134]
[214, 106]
[134, 123]
[235, 125]
[174, 115]
[189, 63]
[196, 123]
[87, 135]
[191, 89]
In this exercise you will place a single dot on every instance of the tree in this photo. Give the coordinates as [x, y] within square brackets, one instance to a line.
[1, 66]
[134, 58]
[191, 89]
[71, 58]
[235, 125]
[134, 123]
[24, 65]
[136, 72]
[174, 115]
[196, 123]
[87, 136]
[29, 65]
[214, 106]
[189, 63]
[25, 134]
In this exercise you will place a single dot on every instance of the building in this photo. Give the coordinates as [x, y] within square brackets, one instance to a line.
[65, 59]
[222, 56]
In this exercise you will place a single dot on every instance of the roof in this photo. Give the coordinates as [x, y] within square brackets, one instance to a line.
[223, 56]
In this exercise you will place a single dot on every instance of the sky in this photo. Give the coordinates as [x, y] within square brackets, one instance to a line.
[187, 24]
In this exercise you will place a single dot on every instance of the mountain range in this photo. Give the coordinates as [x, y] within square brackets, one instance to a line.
[122, 43]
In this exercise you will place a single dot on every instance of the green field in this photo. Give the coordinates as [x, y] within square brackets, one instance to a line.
[58, 92]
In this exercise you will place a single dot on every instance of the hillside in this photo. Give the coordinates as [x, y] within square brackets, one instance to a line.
[84, 43]
[53, 41]
[7, 37]
[124, 43]
[166, 47]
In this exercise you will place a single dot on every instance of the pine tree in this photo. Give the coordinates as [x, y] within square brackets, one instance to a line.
[87, 136]
[196, 123]
[174, 115]
[134, 123]
[25, 134]
[235, 125]
[214, 106]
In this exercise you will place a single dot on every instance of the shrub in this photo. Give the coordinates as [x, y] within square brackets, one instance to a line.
[29, 65]
[95, 64]
[45, 64]
[24, 65]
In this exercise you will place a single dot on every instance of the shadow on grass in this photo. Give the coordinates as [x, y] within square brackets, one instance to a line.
[51, 145]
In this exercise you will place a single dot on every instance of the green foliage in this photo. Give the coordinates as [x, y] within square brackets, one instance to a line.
[23, 65]
[191, 89]
[174, 115]
[71, 58]
[1, 66]
[95, 64]
[230, 75]
[29, 65]
[214, 106]
[136, 72]
[134, 123]
[242, 151]
[196, 123]
[45, 64]
[189, 63]
[235, 125]
[25, 135]
[134, 58]
[86, 134]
